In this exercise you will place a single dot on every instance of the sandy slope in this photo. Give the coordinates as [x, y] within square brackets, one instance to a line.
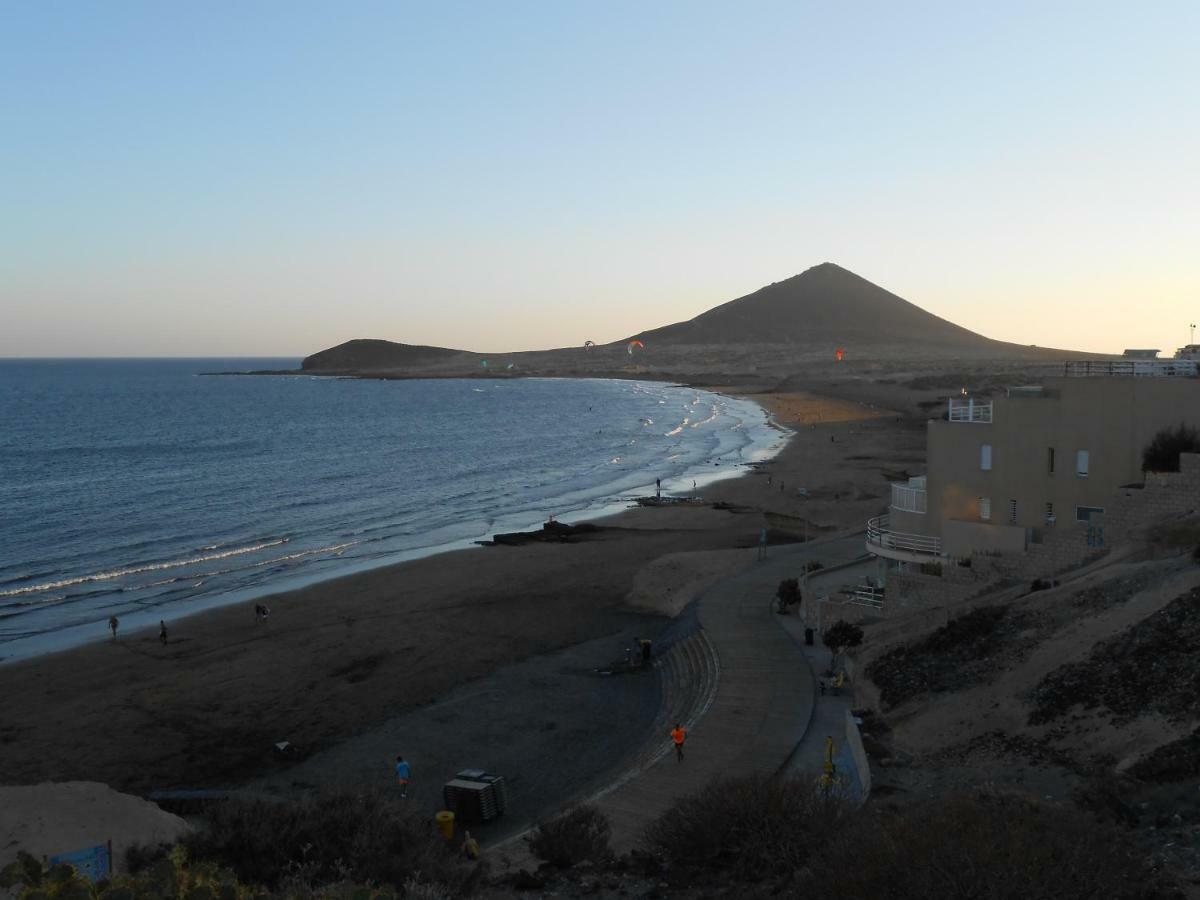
[47, 819]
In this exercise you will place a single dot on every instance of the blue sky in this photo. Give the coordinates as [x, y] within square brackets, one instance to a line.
[274, 178]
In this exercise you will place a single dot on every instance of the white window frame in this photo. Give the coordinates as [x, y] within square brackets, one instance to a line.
[985, 508]
[1083, 463]
[985, 457]
[1095, 510]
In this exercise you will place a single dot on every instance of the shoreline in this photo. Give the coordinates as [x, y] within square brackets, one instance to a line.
[64, 640]
[341, 656]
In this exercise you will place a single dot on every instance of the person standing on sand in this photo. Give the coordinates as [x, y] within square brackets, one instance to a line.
[403, 776]
[162, 632]
[678, 736]
[113, 622]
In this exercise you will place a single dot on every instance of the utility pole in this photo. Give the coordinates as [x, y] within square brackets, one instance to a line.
[1193, 327]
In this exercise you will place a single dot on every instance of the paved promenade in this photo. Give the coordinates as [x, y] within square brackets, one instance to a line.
[764, 700]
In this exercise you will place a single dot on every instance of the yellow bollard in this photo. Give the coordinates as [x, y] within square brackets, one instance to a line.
[445, 824]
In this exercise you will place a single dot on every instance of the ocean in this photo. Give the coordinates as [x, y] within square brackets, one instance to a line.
[147, 489]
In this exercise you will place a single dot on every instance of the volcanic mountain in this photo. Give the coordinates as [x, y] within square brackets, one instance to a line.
[822, 305]
[778, 327]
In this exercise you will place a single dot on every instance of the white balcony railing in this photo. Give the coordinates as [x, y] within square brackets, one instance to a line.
[909, 497]
[970, 411]
[1137, 368]
[879, 535]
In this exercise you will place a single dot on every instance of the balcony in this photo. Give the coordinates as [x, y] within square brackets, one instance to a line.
[970, 411]
[910, 497]
[882, 541]
[1135, 368]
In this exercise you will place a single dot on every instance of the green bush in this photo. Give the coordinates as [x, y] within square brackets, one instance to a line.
[1162, 453]
[752, 828]
[581, 834]
[332, 838]
[983, 847]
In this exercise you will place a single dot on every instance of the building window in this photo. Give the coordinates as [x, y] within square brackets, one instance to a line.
[985, 457]
[1081, 463]
[1012, 511]
[1050, 518]
[1050, 461]
[985, 508]
[1085, 513]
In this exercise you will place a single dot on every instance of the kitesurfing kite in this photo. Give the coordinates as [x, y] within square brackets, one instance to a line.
[633, 344]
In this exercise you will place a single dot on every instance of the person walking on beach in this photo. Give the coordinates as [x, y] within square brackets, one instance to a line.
[403, 776]
[658, 488]
[113, 622]
[162, 632]
[678, 736]
[261, 613]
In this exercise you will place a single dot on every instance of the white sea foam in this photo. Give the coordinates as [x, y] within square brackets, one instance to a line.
[137, 570]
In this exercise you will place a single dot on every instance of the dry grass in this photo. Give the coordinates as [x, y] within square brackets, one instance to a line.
[750, 829]
[986, 847]
[581, 834]
[334, 838]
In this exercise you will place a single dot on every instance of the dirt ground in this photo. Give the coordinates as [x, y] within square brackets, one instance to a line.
[1059, 695]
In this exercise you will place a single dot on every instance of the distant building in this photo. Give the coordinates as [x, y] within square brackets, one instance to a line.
[1191, 351]
[1141, 354]
[1029, 483]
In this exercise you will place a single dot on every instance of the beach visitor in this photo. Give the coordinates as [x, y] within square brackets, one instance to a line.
[162, 632]
[113, 622]
[678, 736]
[261, 612]
[470, 846]
[658, 487]
[403, 775]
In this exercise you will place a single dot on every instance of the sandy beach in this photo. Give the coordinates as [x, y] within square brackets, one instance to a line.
[340, 657]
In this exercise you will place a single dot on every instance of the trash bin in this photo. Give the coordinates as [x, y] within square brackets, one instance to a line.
[445, 824]
[808, 636]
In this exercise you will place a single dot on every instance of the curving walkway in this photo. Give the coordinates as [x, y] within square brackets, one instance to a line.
[764, 695]
[747, 715]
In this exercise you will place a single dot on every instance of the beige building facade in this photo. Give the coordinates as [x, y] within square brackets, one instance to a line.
[1008, 472]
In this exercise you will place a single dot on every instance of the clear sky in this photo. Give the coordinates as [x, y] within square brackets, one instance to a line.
[271, 178]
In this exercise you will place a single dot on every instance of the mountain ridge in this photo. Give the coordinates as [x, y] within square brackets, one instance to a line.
[814, 311]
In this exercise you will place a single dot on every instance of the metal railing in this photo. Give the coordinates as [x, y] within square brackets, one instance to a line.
[1140, 368]
[866, 595]
[970, 411]
[908, 498]
[880, 536]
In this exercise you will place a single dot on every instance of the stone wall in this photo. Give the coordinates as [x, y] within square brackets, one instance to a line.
[859, 754]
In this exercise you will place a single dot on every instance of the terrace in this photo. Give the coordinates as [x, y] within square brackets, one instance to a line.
[901, 545]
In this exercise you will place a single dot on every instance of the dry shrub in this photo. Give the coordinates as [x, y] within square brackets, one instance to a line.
[326, 839]
[581, 834]
[750, 828]
[986, 847]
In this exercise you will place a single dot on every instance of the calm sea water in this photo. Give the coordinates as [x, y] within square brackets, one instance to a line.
[147, 490]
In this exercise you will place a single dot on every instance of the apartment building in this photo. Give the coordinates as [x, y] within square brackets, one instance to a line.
[1011, 471]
